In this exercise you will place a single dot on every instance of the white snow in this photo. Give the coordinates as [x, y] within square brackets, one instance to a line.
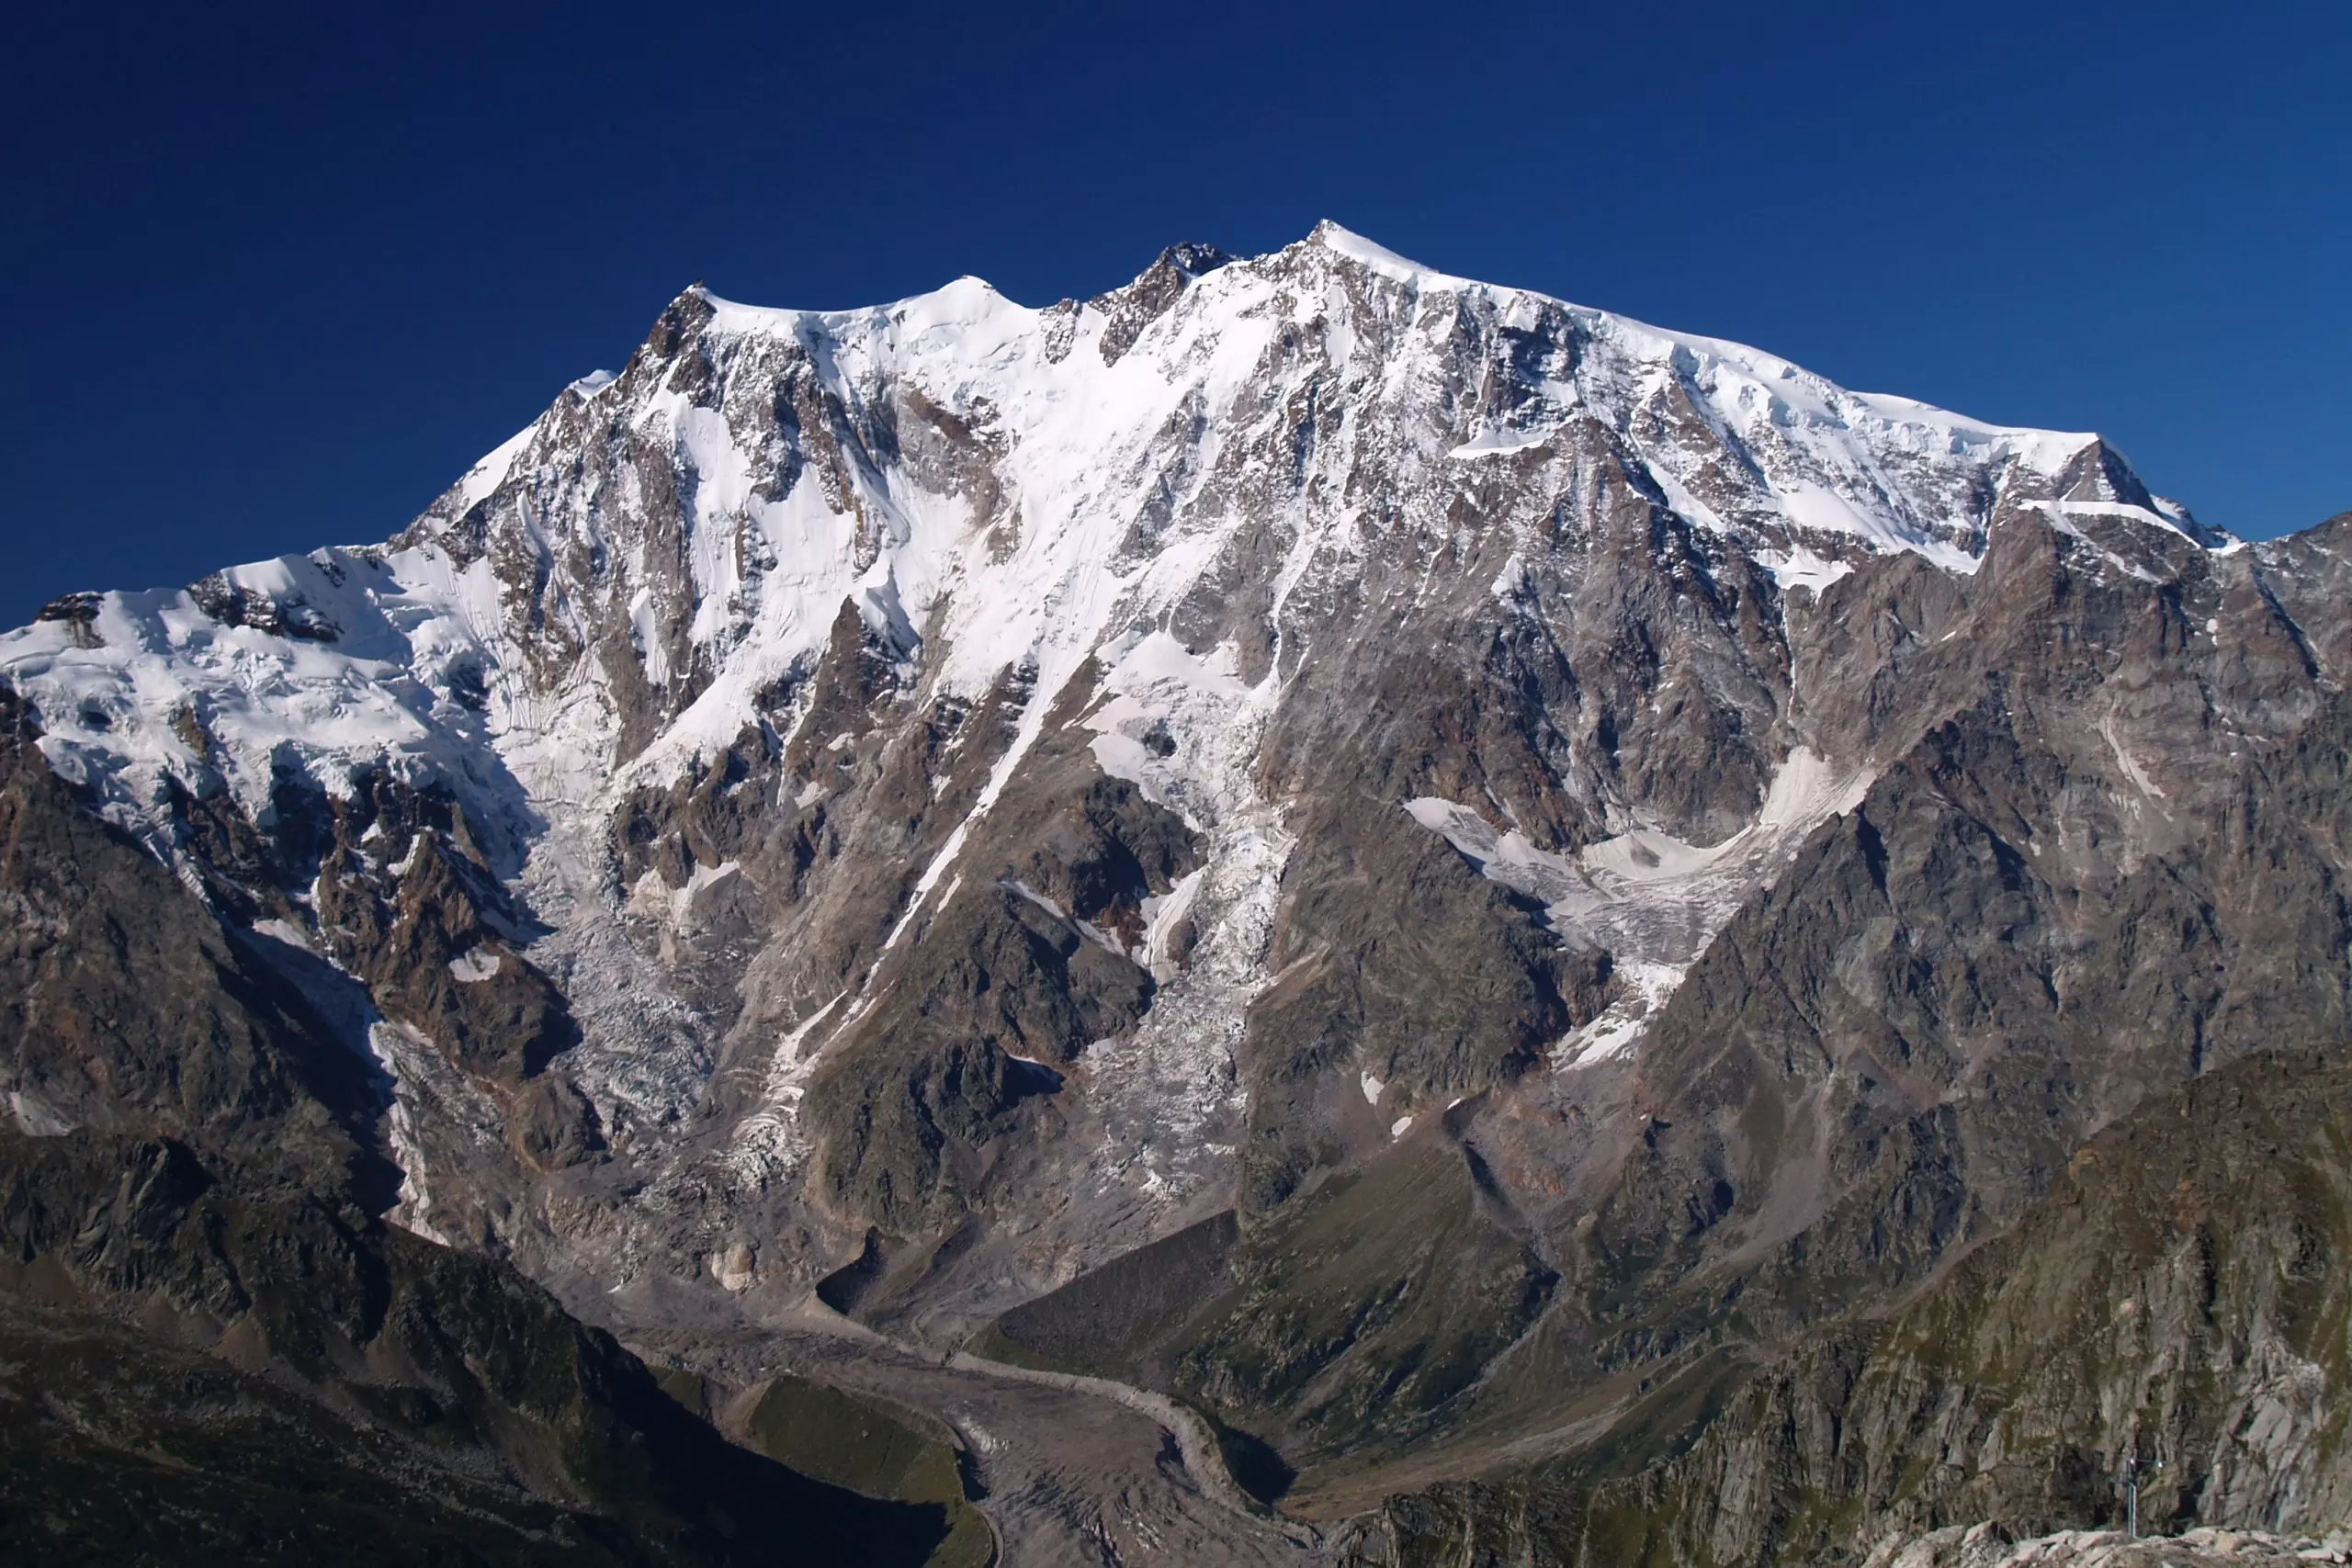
[1653, 901]
[680, 908]
[1644, 989]
[35, 1117]
[1087, 451]
[646, 632]
[2124, 510]
[1086, 929]
[1161, 913]
[402, 1055]
[1381, 259]
[2129, 763]
[1822, 509]
[1800, 567]
[1154, 682]
[770, 1138]
[117, 717]
[490, 473]
[1501, 443]
[477, 966]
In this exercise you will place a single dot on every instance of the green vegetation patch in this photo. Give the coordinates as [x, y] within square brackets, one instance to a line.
[835, 1437]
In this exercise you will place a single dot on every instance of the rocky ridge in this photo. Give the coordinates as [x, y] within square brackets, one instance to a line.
[1980, 1547]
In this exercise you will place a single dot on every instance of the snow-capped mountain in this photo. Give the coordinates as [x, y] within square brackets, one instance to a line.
[989, 484]
[939, 797]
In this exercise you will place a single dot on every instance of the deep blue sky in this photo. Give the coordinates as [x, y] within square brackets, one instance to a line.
[273, 275]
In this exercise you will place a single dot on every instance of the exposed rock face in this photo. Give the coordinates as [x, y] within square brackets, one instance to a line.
[216, 1352]
[1985, 1546]
[1521, 869]
[2176, 1301]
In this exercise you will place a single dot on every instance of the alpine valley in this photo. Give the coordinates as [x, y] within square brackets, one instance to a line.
[1306, 913]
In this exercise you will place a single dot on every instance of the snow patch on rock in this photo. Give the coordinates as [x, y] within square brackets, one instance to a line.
[1652, 900]
[475, 967]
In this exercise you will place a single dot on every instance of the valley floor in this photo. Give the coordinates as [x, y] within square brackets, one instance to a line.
[1071, 1471]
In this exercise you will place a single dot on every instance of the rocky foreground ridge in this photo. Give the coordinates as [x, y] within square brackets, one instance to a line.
[1590, 948]
[1982, 1546]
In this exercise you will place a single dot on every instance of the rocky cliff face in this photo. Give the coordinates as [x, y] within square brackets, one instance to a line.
[1538, 865]
[216, 1352]
[2170, 1310]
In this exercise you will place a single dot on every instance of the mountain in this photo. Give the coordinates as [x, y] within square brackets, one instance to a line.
[215, 1351]
[1462, 885]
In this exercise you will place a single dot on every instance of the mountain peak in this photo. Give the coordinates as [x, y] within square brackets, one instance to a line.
[1345, 242]
[1193, 258]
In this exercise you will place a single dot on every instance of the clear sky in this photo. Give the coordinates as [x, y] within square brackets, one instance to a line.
[274, 275]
